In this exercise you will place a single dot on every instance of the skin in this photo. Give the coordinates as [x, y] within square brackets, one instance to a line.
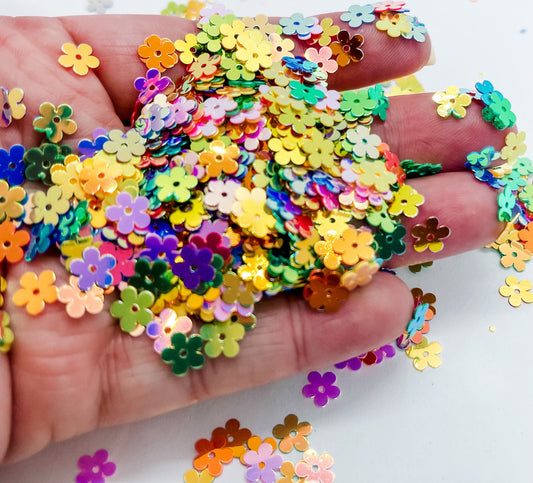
[65, 377]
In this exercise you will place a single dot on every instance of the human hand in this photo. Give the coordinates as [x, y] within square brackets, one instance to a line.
[64, 377]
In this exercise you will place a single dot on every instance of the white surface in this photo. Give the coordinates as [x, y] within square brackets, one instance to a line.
[468, 421]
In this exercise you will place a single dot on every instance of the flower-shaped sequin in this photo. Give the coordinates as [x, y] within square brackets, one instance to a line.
[429, 236]
[99, 6]
[129, 213]
[254, 52]
[79, 58]
[11, 106]
[395, 24]
[517, 291]
[262, 464]
[514, 146]
[124, 145]
[154, 277]
[36, 291]
[321, 387]
[94, 469]
[322, 58]
[48, 206]
[222, 338]
[347, 48]
[391, 243]
[158, 53]
[54, 122]
[39, 161]
[196, 266]
[12, 241]
[77, 301]
[452, 102]
[11, 200]
[354, 245]
[406, 201]
[176, 185]
[358, 14]
[220, 158]
[297, 24]
[165, 326]
[212, 454]
[204, 66]
[292, 434]
[11, 165]
[515, 255]
[251, 213]
[315, 467]
[133, 309]
[184, 353]
[93, 269]
[424, 354]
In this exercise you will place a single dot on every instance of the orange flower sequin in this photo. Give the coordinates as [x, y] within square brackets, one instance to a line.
[220, 159]
[11, 242]
[36, 291]
[354, 245]
[158, 53]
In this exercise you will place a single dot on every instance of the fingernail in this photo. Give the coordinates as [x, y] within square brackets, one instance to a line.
[432, 57]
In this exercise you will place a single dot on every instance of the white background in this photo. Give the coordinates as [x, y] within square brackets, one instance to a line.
[468, 421]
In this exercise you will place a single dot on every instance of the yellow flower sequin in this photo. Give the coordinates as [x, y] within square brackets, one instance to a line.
[452, 102]
[517, 292]
[79, 58]
[251, 213]
[425, 354]
[406, 201]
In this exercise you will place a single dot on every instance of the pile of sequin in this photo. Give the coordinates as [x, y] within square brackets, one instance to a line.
[245, 177]
[261, 457]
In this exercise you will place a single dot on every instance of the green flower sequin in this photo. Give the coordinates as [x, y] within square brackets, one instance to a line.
[175, 186]
[39, 161]
[184, 353]
[357, 104]
[153, 277]
[390, 243]
[222, 337]
[133, 309]
[498, 111]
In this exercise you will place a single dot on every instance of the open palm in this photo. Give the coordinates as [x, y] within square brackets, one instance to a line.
[64, 377]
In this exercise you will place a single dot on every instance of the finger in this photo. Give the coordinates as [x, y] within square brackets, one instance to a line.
[467, 207]
[289, 337]
[29, 60]
[116, 39]
[414, 130]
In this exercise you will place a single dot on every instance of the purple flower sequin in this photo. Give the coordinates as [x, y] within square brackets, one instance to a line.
[263, 464]
[88, 148]
[93, 268]
[160, 248]
[321, 387]
[152, 85]
[95, 468]
[129, 213]
[195, 267]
